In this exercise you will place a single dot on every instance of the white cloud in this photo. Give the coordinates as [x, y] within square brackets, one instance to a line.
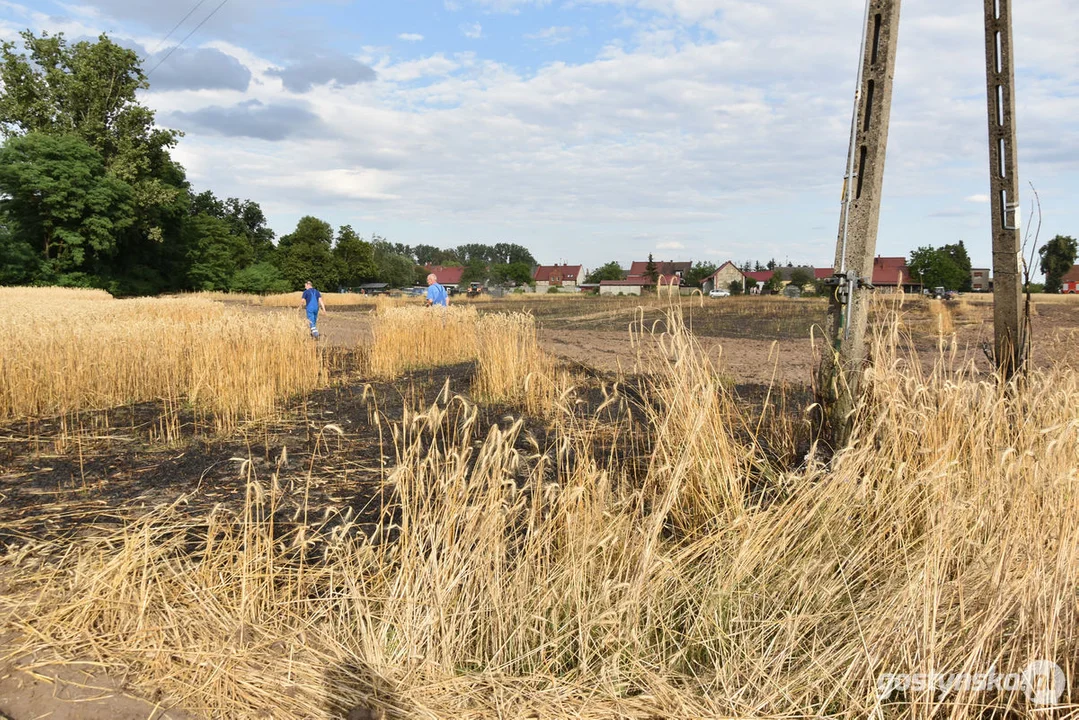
[472, 30]
[977, 198]
[670, 246]
[410, 37]
[554, 35]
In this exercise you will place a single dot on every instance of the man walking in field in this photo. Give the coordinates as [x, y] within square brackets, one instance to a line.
[436, 294]
[312, 303]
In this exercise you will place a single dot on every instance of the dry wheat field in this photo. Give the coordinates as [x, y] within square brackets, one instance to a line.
[206, 514]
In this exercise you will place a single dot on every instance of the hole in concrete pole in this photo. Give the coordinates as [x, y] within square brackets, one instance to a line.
[1003, 159]
[861, 170]
[876, 38]
[1000, 105]
[1004, 208]
[996, 10]
[1000, 54]
[868, 106]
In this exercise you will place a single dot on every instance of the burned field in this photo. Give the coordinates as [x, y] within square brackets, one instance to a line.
[61, 478]
[457, 516]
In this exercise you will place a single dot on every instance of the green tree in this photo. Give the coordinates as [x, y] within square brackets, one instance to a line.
[475, 271]
[958, 253]
[800, 278]
[937, 267]
[426, 254]
[216, 253]
[19, 263]
[610, 271]
[1057, 258]
[60, 201]
[305, 254]
[735, 287]
[260, 279]
[246, 218]
[650, 270]
[394, 268]
[355, 258]
[518, 273]
[89, 89]
[774, 284]
[699, 272]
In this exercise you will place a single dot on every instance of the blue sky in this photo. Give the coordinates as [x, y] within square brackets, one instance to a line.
[593, 130]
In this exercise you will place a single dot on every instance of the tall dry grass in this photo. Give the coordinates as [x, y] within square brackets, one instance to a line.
[511, 581]
[409, 338]
[64, 351]
[512, 367]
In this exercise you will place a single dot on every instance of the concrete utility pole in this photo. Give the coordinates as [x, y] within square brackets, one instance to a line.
[1009, 343]
[842, 360]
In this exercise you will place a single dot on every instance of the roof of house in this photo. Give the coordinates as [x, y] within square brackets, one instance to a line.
[891, 271]
[822, 273]
[1072, 275]
[785, 273]
[645, 281]
[446, 275]
[663, 268]
[565, 272]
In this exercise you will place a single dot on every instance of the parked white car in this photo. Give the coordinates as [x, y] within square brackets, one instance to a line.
[719, 292]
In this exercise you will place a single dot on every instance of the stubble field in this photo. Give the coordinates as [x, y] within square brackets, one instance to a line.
[528, 507]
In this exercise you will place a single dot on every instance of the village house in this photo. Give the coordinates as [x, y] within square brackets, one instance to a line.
[669, 277]
[568, 277]
[447, 276]
[756, 279]
[1069, 283]
[979, 280]
[722, 278]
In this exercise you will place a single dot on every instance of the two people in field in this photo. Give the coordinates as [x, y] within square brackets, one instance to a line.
[312, 303]
[311, 300]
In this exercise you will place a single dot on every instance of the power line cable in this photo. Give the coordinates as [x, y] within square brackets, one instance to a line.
[176, 27]
[186, 37]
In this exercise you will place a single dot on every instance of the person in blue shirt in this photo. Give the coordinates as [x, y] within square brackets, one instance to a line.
[436, 294]
[312, 303]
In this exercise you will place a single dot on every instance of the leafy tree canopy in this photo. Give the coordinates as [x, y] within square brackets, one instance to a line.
[698, 272]
[799, 278]
[355, 257]
[1057, 258]
[215, 252]
[947, 267]
[64, 210]
[610, 271]
[261, 278]
[518, 273]
[394, 268]
[88, 89]
[305, 254]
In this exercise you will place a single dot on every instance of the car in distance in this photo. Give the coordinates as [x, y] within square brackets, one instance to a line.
[719, 292]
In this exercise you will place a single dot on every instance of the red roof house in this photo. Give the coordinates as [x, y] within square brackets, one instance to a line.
[892, 272]
[446, 275]
[663, 268]
[1069, 283]
[558, 275]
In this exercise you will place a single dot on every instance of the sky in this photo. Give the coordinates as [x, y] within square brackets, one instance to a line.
[593, 130]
